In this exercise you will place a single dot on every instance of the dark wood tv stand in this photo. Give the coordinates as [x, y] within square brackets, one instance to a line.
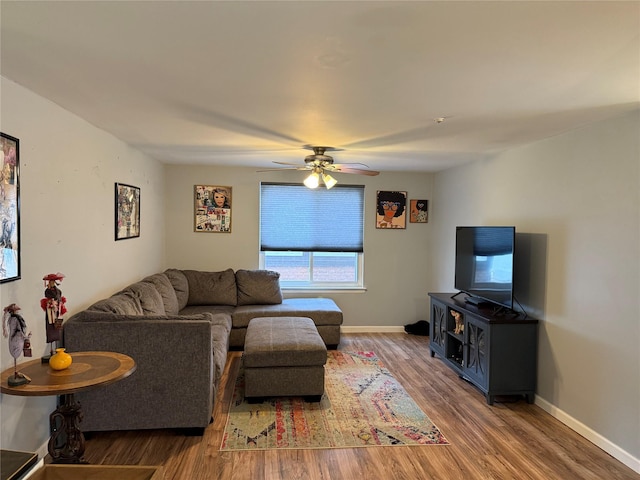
[495, 352]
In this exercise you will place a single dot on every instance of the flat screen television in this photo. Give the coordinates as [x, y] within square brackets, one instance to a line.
[484, 264]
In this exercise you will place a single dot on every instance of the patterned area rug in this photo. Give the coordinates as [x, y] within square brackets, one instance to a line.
[363, 405]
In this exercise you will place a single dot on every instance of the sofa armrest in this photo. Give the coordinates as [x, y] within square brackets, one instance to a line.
[172, 354]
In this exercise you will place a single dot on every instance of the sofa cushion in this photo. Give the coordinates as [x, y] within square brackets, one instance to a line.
[323, 311]
[213, 309]
[166, 291]
[119, 303]
[258, 287]
[220, 328]
[211, 288]
[283, 342]
[148, 296]
[101, 316]
[180, 285]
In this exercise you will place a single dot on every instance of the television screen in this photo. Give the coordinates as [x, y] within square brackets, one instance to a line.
[484, 263]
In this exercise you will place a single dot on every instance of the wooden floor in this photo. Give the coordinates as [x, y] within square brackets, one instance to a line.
[509, 440]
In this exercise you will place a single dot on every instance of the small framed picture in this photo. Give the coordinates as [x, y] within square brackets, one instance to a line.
[418, 211]
[391, 209]
[212, 209]
[10, 209]
[127, 221]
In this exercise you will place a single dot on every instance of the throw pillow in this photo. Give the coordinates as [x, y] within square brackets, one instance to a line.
[258, 287]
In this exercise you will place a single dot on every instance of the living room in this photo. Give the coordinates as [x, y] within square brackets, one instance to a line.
[573, 197]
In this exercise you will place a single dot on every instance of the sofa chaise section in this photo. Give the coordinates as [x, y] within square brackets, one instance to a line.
[324, 312]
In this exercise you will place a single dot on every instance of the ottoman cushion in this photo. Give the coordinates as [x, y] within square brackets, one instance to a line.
[283, 342]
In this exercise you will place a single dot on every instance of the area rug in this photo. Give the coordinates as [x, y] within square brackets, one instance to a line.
[363, 405]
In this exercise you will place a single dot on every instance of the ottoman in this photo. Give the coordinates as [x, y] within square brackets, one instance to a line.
[284, 356]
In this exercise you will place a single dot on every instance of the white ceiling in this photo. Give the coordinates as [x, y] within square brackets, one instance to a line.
[246, 83]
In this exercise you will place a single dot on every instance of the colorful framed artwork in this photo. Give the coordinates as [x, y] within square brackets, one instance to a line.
[127, 221]
[391, 209]
[212, 209]
[10, 209]
[418, 211]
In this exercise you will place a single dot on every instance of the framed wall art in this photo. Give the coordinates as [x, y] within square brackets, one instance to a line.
[391, 209]
[418, 211]
[10, 209]
[127, 215]
[212, 209]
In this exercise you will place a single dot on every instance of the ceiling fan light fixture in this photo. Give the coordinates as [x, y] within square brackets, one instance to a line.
[328, 180]
[312, 181]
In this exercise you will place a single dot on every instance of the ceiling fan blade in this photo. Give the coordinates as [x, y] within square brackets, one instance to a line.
[357, 171]
[287, 163]
[348, 164]
[321, 163]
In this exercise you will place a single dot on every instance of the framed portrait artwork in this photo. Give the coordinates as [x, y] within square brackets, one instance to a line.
[10, 209]
[418, 211]
[127, 215]
[391, 207]
[212, 209]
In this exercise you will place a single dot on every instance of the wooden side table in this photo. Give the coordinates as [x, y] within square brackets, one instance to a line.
[88, 370]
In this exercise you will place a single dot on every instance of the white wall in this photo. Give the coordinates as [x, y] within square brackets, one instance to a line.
[396, 261]
[67, 173]
[574, 200]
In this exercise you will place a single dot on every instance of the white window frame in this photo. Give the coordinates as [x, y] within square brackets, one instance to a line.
[323, 286]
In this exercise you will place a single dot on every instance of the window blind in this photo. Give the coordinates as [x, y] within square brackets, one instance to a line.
[294, 217]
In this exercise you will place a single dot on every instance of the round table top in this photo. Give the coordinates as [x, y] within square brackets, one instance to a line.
[88, 369]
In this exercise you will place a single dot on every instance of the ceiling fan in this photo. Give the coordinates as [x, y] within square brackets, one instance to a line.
[321, 165]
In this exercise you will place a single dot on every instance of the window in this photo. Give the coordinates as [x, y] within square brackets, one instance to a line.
[313, 237]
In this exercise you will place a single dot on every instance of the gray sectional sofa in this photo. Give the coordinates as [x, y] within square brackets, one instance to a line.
[178, 326]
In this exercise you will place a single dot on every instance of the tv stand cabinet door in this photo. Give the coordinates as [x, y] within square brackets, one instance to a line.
[476, 352]
[438, 328]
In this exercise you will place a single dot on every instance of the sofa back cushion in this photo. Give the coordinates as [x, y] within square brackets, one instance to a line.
[211, 288]
[119, 303]
[258, 287]
[180, 286]
[166, 291]
[148, 296]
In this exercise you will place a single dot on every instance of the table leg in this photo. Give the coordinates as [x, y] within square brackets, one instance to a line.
[66, 444]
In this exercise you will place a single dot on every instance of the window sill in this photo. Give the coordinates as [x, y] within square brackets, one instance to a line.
[327, 290]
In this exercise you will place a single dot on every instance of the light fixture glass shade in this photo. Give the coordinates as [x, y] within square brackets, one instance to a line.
[328, 180]
[312, 181]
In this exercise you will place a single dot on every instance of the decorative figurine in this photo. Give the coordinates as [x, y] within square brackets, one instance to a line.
[15, 328]
[459, 325]
[53, 304]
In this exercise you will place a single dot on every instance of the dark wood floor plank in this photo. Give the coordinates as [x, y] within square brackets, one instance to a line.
[508, 440]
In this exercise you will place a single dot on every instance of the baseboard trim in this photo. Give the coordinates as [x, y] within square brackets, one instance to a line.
[594, 437]
[371, 329]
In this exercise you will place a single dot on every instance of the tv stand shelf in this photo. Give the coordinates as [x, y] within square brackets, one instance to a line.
[496, 352]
